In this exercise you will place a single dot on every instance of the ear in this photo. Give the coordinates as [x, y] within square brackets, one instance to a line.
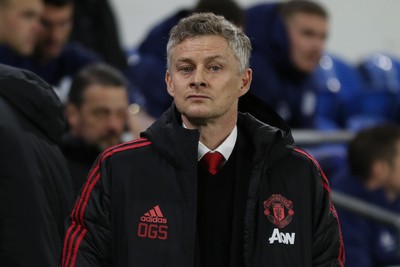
[170, 86]
[379, 167]
[380, 170]
[246, 78]
[72, 115]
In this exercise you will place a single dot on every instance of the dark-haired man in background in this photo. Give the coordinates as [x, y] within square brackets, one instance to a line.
[373, 176]
[54, 59]
[96, 113]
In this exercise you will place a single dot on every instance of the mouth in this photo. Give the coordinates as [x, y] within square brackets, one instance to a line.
[197, 97]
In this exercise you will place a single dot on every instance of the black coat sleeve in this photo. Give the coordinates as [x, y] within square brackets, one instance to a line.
[88, 237]
[328, 248]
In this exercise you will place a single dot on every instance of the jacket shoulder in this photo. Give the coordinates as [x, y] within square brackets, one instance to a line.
[314, 162]
[125, 147]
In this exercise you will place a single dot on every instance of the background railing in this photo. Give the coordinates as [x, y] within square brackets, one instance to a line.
[367, 210]
[313, 137]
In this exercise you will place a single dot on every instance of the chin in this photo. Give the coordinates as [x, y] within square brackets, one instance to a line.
[308, 68]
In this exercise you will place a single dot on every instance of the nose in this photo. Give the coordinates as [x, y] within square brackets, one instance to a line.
[114, 124]
[36, 27]
[198, 79]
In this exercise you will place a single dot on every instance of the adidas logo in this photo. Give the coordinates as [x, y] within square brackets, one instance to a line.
[153, 225]
[154, 215]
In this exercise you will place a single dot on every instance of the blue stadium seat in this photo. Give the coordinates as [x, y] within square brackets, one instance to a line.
[381, 75]
[339, 85]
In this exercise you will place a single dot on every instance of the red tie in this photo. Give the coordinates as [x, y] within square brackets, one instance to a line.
[212, 160]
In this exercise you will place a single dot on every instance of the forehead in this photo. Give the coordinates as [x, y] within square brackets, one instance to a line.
[104, 93]
[308, 19]
[24, 4]
[207, 45]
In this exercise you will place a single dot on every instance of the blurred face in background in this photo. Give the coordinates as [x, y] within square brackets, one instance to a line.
[20, 24]
[56, 28]
[101, 118]
[307, 35]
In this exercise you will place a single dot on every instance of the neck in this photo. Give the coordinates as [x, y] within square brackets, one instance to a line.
[212, 134]
[391, 194]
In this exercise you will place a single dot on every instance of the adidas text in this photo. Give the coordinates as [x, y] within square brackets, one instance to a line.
[153, 219]
[282, 238]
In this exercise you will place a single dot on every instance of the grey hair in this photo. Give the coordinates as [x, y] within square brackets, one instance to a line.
[201, 24]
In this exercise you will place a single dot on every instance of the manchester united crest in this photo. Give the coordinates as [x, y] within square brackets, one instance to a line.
[278, 210]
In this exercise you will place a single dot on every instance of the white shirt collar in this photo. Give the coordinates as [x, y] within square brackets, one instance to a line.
[225, 148]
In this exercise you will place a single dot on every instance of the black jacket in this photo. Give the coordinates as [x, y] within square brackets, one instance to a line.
[138, 207]
[35, 185]
[80, 157]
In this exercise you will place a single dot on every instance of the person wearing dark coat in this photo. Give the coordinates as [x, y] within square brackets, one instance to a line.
[206, 185]
[35, 184]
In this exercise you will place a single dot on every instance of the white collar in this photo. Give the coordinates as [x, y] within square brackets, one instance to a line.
[225, 148]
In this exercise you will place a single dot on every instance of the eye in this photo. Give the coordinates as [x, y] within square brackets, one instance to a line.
[215, 68]
[100, 113]
[185, 69]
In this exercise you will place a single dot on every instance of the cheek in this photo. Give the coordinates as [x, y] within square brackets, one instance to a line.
[90, 122]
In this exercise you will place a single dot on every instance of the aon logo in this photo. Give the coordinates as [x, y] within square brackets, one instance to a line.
[282, 238]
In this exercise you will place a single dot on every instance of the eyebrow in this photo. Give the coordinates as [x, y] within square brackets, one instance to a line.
[210, 58]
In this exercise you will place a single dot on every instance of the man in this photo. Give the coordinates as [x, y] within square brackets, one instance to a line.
[54, 59]
[163, 200]
[19, 27]
[374, 177]
[36, 189]
[57, 26]
[147, 74]
[96, 112]
[287, 49]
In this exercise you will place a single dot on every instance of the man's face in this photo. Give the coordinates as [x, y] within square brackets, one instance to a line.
[101, 118]
[20, 24]
[307, 35]
[204, 80]
[56, 28]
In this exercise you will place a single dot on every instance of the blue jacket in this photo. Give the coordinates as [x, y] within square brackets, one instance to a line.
[367, 243]
[276, 80]
[70, 61]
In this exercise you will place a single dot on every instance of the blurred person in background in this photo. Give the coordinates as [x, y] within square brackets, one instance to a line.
[96, 27]
[288, 40]
[373, 176]
[19, 28]
[35, 184]
[54, 58]
[96, 112]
